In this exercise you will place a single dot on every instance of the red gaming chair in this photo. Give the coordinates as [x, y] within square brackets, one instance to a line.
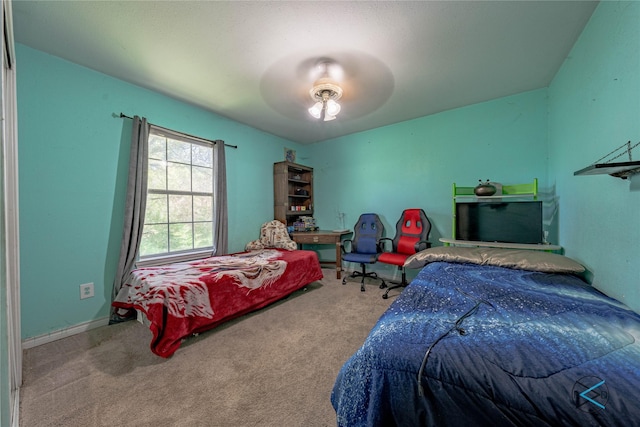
[412, 232]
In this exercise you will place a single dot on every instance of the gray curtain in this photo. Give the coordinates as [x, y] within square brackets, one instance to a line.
[221, 233]
[134, 206]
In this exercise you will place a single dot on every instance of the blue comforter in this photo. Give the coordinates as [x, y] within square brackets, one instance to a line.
[470, 345]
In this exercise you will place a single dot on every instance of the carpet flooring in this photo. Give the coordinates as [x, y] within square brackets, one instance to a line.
[273, 367]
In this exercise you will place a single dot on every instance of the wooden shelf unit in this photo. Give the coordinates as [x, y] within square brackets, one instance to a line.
[292, 192]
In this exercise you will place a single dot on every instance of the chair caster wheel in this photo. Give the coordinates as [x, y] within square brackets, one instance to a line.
[344, 281]
[383, 285]
[385, 296]
[361, 288]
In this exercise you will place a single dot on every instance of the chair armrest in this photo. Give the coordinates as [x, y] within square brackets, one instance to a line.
[343, 244]
[422, 245]
[382, 243]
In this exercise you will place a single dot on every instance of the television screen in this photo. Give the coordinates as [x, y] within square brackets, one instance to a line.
[499, 221]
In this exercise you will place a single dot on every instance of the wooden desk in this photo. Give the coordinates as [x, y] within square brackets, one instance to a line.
[322, 237]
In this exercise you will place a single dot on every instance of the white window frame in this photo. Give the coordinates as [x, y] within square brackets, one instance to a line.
[190, 254]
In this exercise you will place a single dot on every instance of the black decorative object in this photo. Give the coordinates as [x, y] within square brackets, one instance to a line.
[485, 189]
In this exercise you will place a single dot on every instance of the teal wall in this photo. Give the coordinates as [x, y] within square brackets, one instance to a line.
[73, 156]
[594, 104]
[415, 163]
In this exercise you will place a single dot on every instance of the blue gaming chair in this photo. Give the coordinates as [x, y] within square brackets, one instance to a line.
[364, 247]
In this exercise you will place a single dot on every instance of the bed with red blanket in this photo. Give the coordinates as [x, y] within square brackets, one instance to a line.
[182, 299]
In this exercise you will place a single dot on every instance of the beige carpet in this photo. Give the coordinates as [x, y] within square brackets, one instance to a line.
[274, 367]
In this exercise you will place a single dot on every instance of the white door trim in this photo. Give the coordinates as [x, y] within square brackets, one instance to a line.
[11, 209]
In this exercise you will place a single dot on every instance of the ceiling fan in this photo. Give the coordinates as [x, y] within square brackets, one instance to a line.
[308, 88]
[326, 91]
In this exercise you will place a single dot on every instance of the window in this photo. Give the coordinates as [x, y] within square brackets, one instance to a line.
[179, 213]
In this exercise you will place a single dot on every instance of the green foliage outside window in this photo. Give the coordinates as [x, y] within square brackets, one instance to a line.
[179, 212]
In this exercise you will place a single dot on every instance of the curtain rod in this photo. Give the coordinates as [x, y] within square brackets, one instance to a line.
[122, 115]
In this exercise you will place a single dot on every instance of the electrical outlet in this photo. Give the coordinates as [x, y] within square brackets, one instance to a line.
[86, 290]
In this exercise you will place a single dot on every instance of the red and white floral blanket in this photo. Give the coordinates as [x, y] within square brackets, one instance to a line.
[190, 297]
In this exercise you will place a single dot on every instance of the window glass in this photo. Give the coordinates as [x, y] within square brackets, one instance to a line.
[202, 208]
[178, 151]
[157, 175]
[203, 234]
[178, 177]
[155, 239]
[202, 179]
[157, 147]
[156, 209]
[202, 156]
[179, 209]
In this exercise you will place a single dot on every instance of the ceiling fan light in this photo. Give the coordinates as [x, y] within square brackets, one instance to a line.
[333, 108]
[316, 110]
[325, 92]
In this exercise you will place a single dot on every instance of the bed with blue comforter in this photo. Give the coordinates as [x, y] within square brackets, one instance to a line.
[495, 337]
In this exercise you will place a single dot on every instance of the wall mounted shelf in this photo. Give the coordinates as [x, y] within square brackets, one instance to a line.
[619, 170]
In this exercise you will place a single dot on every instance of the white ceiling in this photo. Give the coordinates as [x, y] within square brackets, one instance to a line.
[252, 61]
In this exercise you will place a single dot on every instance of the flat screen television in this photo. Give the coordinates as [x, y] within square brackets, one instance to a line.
[500, 221]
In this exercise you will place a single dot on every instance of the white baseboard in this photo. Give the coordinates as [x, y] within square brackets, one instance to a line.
[63, 333]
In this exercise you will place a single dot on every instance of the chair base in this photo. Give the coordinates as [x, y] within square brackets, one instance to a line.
[364, 275]
[401, 284]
